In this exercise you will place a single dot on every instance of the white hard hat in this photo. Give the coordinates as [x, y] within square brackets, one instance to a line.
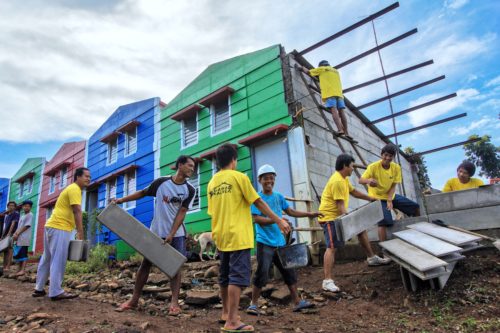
[266, 168]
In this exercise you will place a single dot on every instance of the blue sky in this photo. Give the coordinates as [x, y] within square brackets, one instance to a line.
[66, 65]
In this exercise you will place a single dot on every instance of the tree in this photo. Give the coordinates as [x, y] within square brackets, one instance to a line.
[422, 173]
[484, 155]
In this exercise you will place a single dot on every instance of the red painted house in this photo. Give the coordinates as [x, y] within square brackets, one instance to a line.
[57, 175]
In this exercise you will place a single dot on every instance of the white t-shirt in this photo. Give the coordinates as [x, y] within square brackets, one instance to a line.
[24, 238]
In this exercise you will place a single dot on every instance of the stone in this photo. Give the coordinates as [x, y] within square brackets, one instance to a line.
[163, 296]
[83, 287]
[212, 272]
[145, 325]
[41, 315]
[201, 297]
[281, 295]
[113, 285]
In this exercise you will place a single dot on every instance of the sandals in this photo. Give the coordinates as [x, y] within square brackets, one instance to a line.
[174, 311]
[125, 307]
[223, 321]
[241, 328]
[303, 304]
[38, 293]
[63, 296]
[253, 310]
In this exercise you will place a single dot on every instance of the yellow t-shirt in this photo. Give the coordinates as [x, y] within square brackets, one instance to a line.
[384, 177]
[62, 217]
[230, 196]
[329, 81]
[454, 184]
[337, 188]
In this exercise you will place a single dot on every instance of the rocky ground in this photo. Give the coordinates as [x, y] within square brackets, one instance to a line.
[373, 300]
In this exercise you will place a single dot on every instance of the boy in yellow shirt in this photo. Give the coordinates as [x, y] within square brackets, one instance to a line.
[335, 202]
[382, 177]
[331, 93]
[464, 179]
[230, 196]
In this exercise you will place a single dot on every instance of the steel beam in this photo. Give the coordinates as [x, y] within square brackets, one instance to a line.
[388, 76]
[416, 107]
[401, 92]
[350, 28]
[428, 125]
[376, 48]
[444, 147]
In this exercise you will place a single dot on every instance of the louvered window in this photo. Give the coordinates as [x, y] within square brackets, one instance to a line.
[48, 212]
[52, 184]
[189, 132]
[64, 178]
[110, 190]
[129, 188]
[195, 181]
[221, 116]
[131, 141]
[112, 151]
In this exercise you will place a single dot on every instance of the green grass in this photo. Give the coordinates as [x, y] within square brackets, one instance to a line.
[98, 260]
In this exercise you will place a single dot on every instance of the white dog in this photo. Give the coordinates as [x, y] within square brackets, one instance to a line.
[206, 243]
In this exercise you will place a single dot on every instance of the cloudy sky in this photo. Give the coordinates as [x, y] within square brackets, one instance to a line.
[66, 65]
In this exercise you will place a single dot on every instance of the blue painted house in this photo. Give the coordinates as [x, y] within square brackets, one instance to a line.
[121, 156]
[4, 198]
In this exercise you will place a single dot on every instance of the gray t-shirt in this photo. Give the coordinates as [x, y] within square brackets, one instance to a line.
[24, 239]
[169, 198]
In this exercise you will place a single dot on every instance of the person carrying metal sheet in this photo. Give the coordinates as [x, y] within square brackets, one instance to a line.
[174, 196]
[334, 203]
[67, 216]
[331, 93]
[464, 179]
[382, 177]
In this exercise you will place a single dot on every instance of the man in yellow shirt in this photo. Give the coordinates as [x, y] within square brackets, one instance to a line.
[335, 202]
[464, 179]
[382, 177]
[331, 93]
[66, 216]
[230, 196]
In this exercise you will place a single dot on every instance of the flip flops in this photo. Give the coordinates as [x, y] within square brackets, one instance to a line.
[223, 321]
[125, 307]
[174, 311]
[63, 296]
[38, 293]
[303, 304]
[253, 310]
[241, 328]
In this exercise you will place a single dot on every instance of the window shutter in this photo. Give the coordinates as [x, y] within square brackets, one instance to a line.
[190, 132]
[195, 181]
[221, 117]
[131, 141]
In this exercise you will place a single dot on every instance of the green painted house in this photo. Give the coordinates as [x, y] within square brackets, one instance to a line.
[260, 102]
[26, 185]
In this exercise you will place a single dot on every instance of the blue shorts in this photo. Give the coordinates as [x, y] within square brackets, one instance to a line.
[179, 243]
[267, 255]
[20, 253]
[235, 268]
[335, 102]
[404, 204]
[331, 239]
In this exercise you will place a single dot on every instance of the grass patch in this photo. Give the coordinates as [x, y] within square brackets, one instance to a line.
[98, 260]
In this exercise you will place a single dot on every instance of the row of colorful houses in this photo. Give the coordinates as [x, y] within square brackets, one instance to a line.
[252, 100]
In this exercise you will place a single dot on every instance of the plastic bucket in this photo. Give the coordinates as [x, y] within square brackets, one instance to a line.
[293, 256]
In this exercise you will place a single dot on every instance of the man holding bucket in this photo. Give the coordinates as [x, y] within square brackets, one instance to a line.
[269, 238]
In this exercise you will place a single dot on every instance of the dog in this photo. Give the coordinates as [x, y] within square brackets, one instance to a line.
[206, 244]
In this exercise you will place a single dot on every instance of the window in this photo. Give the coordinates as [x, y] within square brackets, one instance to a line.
[63, 177]
[129, 186]
[195, 181]
[131, 141]
[52, 184]
[26, 187]
[21, 189]
[214, 166]
[220, 116]
[189, 131]
[112, 151]
[110, 190]
[48, 212]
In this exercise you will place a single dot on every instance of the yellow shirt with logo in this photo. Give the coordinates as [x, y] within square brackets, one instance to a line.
[385, 178]
[329, 81]
[230, 196]
[62, 217]
[454, 184]
[337, 188]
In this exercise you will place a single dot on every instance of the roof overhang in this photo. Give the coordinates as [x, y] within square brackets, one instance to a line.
[109, 137]
[216, 96]
[128, 126]
[57, 167]
[187, 112]
[113, 175]
[27, 175]
[49, 203]
[263, 135]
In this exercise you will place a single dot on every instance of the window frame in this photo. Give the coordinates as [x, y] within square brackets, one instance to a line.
[107, 195]
[183, 146]
[127, 135]
[108, 152]
[197, 192]
[212, 118]
[63, 181]
[47, 210]
[52, 183]
[126, 190]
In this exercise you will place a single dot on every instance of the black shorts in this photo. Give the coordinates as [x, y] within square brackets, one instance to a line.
[266, 255]
[235, 268]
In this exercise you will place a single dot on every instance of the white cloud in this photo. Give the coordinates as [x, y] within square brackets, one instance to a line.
[493, 82]
[485, 123]
[455, 4]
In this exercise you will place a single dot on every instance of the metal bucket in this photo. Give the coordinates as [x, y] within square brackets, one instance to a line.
[293, 256]
[78, 250]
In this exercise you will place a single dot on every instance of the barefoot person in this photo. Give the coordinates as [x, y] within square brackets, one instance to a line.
[9, 227]
[464, 179]
[67, 216]
[174, 196]
[269, 238]
[335, 202]
[22, 237]
[230, 195]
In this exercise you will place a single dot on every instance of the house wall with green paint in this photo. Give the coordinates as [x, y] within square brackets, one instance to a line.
[26, 185]
[257, 103]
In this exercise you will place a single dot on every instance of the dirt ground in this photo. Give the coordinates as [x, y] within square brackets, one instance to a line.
[373, 300]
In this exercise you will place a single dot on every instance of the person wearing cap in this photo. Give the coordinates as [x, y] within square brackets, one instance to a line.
[331, 93]
[22, 237]
[230, 196]
[67, 216]
[9, 227]
[334, 203]
[464, 179]
[382, 177]
[269, 238]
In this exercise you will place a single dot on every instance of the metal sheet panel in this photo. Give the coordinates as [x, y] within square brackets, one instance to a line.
[451, 236]
[164, 256]
[428, 243]
[359, 220]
